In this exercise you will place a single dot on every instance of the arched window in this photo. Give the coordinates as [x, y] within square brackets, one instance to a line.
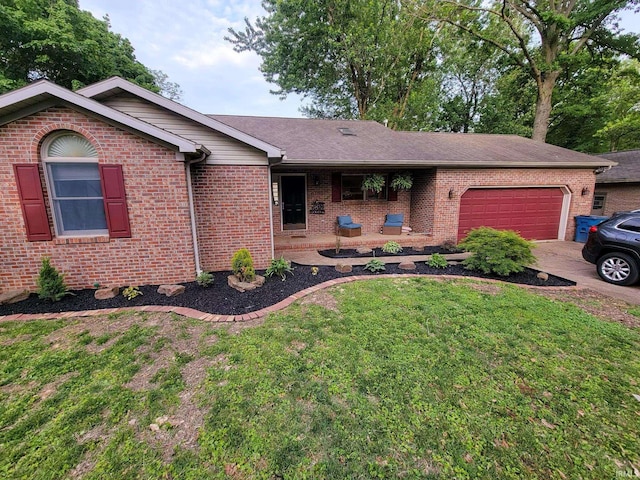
[74, 184]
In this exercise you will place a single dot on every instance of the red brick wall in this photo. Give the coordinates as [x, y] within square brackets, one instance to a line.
[369, 213]
[423, 201]
[160, 249]
[446, 210]
[620, 196]
[232, 211]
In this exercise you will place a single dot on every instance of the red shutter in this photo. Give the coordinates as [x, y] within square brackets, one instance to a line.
[115, 202]
[34, 210]
[336, 187]
[392, 196]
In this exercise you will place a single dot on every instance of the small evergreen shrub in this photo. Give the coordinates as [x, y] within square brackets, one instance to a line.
[497, 251]
[437, 260]
[375, 265]
[50, 282]
[279, 267]
[391, 247]
[131, 292]
[242, 265]
[204, 279]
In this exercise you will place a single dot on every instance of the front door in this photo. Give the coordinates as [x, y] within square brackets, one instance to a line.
[294, 209]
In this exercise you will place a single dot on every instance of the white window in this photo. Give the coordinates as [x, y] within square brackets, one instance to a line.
[73, 180]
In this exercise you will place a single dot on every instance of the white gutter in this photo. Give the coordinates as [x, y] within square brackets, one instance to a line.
[192, 212]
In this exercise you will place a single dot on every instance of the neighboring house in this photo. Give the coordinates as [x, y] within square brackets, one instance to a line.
[618, 188]
[119, 185]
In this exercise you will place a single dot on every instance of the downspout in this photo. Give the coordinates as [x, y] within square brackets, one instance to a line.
[192, 211]
[273, 248]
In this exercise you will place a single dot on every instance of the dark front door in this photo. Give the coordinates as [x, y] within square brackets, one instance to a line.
[293, 202]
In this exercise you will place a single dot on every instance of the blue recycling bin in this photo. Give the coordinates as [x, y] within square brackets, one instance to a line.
[583, 223]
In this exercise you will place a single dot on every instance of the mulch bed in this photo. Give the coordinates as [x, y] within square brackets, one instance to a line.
[222, 299]
[377, 252]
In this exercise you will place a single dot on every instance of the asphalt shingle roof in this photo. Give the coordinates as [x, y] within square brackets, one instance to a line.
[627, 170]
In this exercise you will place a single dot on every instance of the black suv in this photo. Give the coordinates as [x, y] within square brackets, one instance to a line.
[614, 246]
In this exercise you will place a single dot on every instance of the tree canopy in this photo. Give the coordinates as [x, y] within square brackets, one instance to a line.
[54, 39]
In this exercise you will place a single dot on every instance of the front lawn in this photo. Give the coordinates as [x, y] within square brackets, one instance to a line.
[403, 378]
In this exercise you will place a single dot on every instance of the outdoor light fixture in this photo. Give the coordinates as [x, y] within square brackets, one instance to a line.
[585, 191]
[451, 193]
[316, 180]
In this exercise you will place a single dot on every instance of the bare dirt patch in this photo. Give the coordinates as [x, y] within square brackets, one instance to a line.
[322, 298]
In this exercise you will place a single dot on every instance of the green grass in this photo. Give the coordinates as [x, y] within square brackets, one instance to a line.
[410, 378]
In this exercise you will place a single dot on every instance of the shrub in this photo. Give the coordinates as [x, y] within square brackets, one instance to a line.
[391, 247]
[375, 265]
[131, 292]
[279, 267]
[50, 282]
[204, 279]
[497, 251]
[314, 271]
[242, 265]
[449, 246]
[437, 260]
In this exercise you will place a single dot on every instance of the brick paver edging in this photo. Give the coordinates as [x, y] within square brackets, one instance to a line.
[212, 317]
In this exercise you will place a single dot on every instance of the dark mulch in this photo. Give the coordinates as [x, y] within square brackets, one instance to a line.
[222, 299]
[377, 252]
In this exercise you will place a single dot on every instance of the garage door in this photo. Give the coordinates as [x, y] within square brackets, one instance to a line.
[534, 212]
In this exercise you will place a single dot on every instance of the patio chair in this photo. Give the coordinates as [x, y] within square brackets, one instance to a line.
[346, 227]
[393, 224]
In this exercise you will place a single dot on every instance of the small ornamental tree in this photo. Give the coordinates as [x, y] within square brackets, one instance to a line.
[242, 265]
[50, 282]
[497, 251]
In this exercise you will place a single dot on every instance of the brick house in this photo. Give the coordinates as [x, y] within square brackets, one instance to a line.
[618, 188]
[119, 185]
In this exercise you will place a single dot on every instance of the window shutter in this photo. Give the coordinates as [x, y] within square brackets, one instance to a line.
[336, 187]
[115, 202]
[34, 210]
[392, 195]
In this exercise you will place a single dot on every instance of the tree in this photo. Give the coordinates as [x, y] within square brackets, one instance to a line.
[56, 40]
[352, 58]
[541, 36]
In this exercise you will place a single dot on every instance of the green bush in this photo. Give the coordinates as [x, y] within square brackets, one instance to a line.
[437, 260]
[242, 265]
[50, 282]
[497, 251]
[391, 247]
[279, 267]
[204, 279]
[131, 292]
[375, 265]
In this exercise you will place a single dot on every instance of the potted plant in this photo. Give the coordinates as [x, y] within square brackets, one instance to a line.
[402, 181]
[373, 182]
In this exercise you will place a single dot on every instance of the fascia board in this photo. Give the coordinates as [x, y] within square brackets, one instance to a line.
[417, 163]
[120, 83]
[68, 97]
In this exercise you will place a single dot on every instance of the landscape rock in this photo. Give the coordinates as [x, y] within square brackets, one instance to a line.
[171, 290]
[13, 296]
[407, 266]
[363, 250]
[543, 276]
[342, 268]
[106, 293]
[234, 282]
[418, 249]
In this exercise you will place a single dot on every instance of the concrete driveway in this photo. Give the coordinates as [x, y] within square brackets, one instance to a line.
[564, 259]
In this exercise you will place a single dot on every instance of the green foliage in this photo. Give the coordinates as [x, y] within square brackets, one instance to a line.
[497, 251]
[204, 279]
[635, 311]
[373, 182]
[391, 247]
[374, 265]
[437, 260]
[279, 267]
[242, 265]
[402, 181]
[50, 282]
[131, 292]
[314, 271]
[449, 245]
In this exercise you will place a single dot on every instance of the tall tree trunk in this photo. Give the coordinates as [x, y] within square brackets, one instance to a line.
[546, 82]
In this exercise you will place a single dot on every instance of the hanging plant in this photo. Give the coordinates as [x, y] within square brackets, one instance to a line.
[373, 182]
[402, 181]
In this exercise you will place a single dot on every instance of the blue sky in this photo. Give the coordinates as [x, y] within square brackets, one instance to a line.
[184, 39]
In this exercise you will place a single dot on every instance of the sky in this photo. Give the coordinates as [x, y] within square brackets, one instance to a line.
[185, 39]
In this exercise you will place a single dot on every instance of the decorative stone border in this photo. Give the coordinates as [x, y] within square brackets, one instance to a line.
[212, 317]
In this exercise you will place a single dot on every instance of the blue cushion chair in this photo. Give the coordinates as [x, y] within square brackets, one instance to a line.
[346, 227]
[393, 224]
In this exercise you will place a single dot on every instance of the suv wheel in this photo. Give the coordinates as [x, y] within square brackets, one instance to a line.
[618, 268]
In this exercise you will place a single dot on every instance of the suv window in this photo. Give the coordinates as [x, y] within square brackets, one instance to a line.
[632, 225]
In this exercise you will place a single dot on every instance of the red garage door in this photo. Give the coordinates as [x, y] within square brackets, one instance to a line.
[534, 212]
